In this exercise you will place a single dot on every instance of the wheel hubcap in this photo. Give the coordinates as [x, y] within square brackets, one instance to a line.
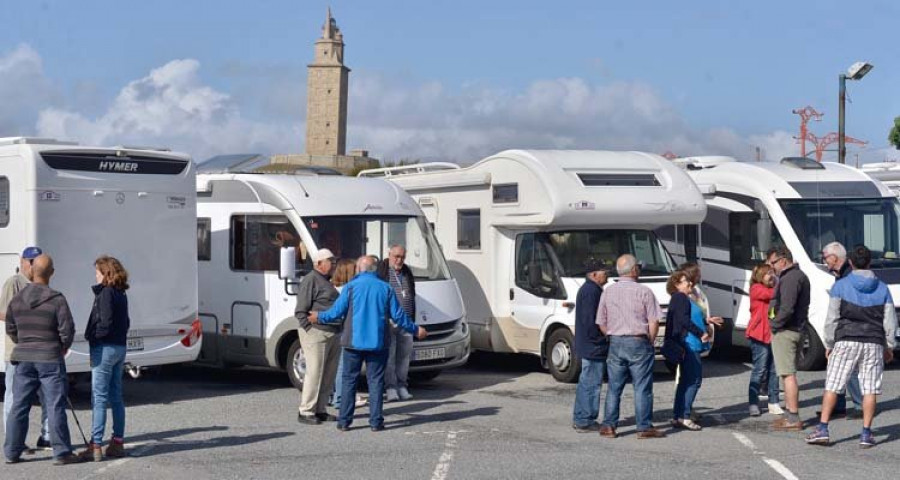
[561, 356]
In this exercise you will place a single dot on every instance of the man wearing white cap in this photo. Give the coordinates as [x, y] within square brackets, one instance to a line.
[320, 343]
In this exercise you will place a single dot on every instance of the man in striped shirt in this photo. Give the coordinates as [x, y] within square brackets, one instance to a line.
[395, 271]
[629, 315]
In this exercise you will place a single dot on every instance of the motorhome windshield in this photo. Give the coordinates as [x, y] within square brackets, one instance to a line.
[353, 236]
[873, 222]
[572, 248]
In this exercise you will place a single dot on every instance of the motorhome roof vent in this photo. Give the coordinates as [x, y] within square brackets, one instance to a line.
[142, 147]
[619, 180]
[701, 162]
[802, 163]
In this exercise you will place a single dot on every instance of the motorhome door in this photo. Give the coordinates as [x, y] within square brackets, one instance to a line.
[536, 287]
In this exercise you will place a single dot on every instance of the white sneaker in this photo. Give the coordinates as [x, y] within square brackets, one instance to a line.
[361, 401]
[775, 409]
[392, 395]
[404, 394]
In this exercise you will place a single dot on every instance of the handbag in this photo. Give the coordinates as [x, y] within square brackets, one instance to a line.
[672, 351]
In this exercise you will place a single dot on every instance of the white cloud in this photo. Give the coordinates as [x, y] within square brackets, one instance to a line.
[24, 90]
[393, 118]
[172, 107]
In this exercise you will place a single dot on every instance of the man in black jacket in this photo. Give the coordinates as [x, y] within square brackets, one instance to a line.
[40, 323]
[395, 271]
[591, 346]
[791, 315]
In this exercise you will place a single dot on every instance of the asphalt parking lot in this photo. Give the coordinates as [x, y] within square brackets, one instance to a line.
[498, 417]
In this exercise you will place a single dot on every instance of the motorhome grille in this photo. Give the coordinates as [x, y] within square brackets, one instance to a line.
[111, 163]
[619, 179]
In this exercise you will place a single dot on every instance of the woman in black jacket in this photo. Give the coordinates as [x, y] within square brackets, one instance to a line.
[107, 331]
[682, 319]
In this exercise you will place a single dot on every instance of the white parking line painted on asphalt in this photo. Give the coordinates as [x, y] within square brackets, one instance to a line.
[771, 462]
[443, 466]
[137, 450]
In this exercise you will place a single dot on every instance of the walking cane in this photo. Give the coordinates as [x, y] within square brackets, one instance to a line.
[72, 407]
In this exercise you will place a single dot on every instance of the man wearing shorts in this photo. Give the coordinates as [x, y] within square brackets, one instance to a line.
[791, 315]
[859, 336]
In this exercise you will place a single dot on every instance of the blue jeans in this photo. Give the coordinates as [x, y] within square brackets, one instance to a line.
[50, 379]
[763, 367]
[587, 393]
[338, 382]
[375, 365]
[396, 374]
[107, 365]
[689, 382]
[8, 402]
[632, 355]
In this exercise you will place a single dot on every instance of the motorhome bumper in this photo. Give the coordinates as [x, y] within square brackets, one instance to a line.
[449, 353]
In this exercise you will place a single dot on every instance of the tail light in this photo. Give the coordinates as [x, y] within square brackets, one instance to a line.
[193, 336]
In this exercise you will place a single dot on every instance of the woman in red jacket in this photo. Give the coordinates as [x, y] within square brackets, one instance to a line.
[762, 291]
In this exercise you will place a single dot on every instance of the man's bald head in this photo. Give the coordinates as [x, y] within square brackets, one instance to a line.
[366, 263]
[42, 269]
[625, 265]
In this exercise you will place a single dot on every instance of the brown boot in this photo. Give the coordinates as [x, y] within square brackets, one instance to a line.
[93, 453]
[116, 449]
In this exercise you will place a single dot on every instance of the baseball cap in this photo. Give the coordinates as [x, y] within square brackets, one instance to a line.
[322, 254]
[30, 253]
[595, 265]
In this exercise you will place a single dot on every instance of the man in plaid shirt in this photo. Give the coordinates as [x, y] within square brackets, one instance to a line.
[859, 336]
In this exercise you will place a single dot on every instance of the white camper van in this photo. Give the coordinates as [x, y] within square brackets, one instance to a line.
[798, 203]
[518, 226]
[135, 204]
[246, 220]
[887, 173]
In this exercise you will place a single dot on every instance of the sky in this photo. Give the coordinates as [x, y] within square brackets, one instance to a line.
[453, 80]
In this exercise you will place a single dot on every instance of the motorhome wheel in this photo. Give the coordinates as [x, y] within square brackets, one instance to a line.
[560, 356]
[296, 365]
[811, 355]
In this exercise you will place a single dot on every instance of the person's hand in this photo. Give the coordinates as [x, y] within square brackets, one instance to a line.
[313, 317]
[888, 355]
[422, 333]
[705, 338]
[827, 353]
[717, 321]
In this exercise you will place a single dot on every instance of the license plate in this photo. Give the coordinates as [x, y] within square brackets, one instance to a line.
[134, 344]
[430, 354]
[659, 342]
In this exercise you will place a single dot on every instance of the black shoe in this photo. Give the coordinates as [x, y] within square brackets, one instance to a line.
[378, 428]
[308, 419]
[10, 461]
[343, 428]
[326, 417]
[68, 459]
[42, 444]
[593, 427]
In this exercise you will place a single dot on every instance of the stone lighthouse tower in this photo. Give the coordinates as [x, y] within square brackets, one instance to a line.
[326, 109]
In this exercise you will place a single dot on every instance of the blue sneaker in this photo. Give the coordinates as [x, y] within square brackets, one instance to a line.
[866, 440]
[819, 436]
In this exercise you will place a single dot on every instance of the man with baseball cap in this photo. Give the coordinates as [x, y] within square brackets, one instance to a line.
[320, 343]
[591, 347]
[11, 287]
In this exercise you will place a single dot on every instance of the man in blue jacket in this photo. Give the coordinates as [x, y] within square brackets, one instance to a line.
[366, 305]
[859, 337]
[591, 346]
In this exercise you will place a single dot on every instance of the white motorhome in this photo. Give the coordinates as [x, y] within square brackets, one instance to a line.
[136, 204]
[518, 226]
[798, 203]
[887, 173]
[246, 220]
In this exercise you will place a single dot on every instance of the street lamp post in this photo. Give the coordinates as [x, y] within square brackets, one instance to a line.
[856, 72]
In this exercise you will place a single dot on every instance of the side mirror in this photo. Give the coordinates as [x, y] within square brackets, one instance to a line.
[287, 266]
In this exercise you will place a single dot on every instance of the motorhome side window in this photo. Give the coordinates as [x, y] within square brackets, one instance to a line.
[752, 235]
[536, 271]
[508, 193]
[204, 240]
[4, 202]
[468, 229]
[256, 241]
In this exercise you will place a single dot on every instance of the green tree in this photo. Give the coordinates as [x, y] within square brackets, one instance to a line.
[894, 136]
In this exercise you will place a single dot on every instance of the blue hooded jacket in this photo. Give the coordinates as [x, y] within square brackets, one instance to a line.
[861, 310]
[366, 304]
